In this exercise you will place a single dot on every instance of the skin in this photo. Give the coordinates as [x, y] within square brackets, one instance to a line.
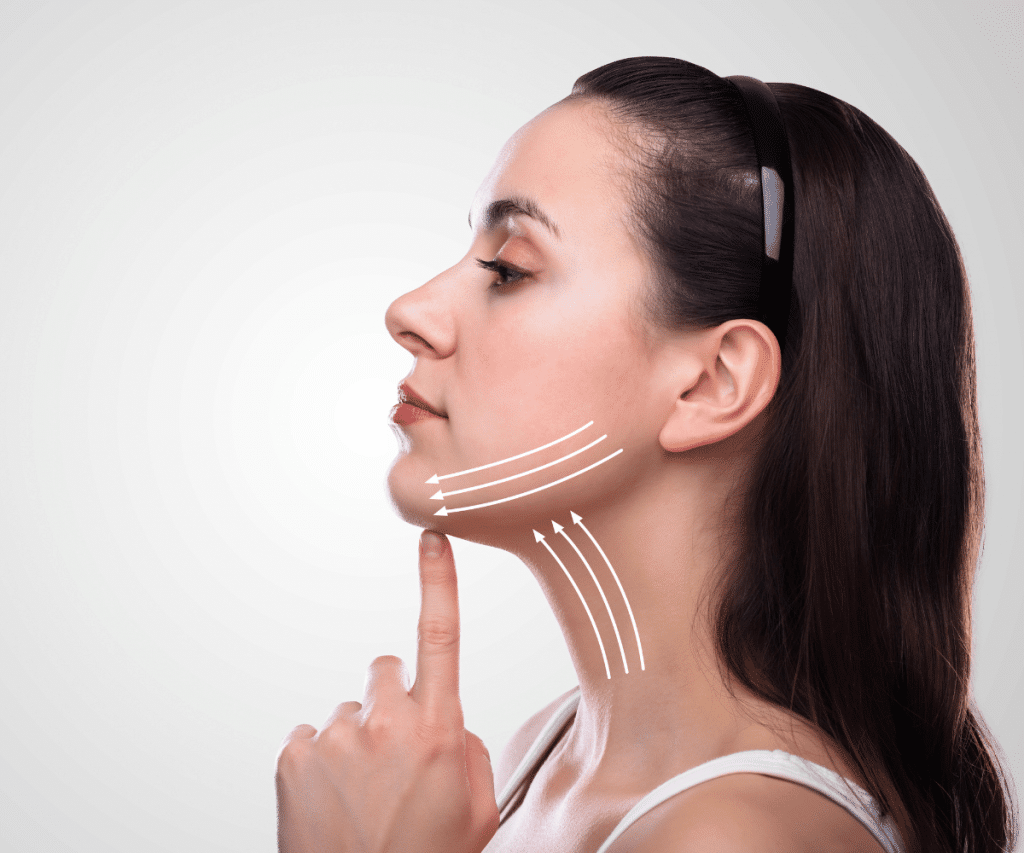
[396, 772]
[519, 366]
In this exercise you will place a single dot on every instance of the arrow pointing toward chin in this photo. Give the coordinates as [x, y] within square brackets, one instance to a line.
[441, 495]
[446, 511]
[433, 481]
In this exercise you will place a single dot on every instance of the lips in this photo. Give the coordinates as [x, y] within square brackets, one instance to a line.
[407, 395]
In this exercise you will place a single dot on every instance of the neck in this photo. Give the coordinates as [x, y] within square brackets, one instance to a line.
[662, 542]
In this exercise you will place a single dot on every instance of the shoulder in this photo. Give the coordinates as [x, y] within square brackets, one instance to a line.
[747, 813]
[522, 740]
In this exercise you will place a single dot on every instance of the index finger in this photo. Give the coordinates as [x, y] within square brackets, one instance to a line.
[437, 651]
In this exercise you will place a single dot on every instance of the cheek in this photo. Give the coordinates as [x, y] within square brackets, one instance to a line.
[560, 371]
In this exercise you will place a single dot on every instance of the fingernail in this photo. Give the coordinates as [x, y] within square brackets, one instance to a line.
[432, 544]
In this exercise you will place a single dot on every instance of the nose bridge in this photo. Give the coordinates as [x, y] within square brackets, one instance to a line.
[422, 320]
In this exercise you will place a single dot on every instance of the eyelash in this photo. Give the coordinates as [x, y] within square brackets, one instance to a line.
[506, 275]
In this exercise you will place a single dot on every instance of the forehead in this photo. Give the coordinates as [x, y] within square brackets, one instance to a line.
[566, 161]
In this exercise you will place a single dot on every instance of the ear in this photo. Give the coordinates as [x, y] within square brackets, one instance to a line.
[725, 379]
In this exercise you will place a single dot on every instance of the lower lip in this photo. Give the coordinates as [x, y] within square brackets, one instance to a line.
[405, 413]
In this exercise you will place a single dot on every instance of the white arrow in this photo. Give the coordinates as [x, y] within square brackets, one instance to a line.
[539, 537]
[440, 496]
[446, 511]
[433, 480]
[559, 529]
[576, 519]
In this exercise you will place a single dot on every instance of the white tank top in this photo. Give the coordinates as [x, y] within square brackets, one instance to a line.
[777, 763]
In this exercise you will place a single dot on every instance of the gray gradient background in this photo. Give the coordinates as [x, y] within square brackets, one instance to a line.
[205, 209]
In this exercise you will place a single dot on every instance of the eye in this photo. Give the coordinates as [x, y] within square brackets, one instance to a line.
[506, 274]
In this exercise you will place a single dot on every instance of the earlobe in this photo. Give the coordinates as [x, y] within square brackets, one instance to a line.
[727, 379]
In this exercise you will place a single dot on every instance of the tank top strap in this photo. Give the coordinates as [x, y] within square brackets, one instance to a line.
[775, 763]
[536, 752]
[781, 765]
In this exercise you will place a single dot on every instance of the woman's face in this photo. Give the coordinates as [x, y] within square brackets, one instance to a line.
[520, 365]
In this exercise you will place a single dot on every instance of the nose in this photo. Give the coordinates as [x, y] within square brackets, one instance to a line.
[422, 322]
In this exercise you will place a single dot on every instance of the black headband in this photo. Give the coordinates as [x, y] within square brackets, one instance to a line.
[777, 195]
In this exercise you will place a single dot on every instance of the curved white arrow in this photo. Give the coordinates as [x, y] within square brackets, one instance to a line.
[446, 511]
[440, 495]
[540, 538]
[576, 519]
[433, 480]
[559, 529]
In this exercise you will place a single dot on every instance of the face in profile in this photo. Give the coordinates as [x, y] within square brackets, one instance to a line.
[521, 355]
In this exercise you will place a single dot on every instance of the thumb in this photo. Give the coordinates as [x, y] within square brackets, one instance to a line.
[481, 783]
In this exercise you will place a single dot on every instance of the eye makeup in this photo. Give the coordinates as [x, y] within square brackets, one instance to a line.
[506, 275]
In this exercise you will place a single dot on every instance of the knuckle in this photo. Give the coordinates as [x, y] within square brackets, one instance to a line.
[343, 714]
[337, 737]
[380, 723]
[292, 754]
[438, 631]
[386, 669]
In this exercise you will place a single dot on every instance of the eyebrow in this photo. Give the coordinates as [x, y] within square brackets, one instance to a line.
[502, 208]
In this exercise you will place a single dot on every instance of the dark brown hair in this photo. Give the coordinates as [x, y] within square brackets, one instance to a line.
[850, 601]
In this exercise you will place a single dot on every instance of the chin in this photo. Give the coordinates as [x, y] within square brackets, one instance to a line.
[410, 496]
[508, 526]
[407, 492]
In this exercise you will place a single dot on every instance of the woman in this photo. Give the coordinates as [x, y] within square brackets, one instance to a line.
[727, 418]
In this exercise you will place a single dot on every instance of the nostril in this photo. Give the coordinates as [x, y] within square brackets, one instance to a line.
[416, 338]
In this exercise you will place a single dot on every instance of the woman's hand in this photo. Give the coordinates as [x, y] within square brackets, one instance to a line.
[399, 772]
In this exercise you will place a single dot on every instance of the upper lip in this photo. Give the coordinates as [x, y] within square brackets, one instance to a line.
[407, 395]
